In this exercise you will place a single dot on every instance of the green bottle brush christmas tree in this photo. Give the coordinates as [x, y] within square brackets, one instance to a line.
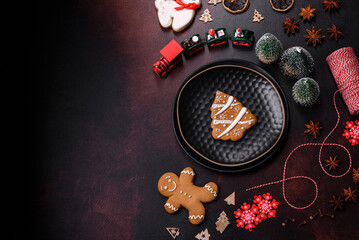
[268, 48]
[306, 91]
[296, 62]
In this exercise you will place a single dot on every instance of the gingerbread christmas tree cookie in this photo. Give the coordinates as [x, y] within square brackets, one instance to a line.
[230, 119]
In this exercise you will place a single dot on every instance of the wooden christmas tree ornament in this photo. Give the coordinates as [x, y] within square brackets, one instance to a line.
[257, 17]
[206, 16]
[214, 2]
[231, 199]
[222, 222]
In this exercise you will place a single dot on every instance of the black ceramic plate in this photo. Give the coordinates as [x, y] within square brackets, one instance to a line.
[252, 86]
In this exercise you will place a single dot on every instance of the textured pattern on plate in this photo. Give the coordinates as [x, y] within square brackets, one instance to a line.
[250, 88]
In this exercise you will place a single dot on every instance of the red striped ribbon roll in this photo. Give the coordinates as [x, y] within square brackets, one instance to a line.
[345, 69]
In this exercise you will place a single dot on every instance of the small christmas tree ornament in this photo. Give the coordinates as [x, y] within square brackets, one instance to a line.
[204, 235]
[306, 91]
[257, 17]
[222, 222]
[268, 48]
[175, 232]
[206, 16]
[231, 199]
[214, 2]
[296, 62]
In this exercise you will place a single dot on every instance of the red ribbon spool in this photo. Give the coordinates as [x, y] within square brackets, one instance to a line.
[345, 69]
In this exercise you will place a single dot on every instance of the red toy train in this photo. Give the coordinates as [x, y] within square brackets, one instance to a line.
[171, 53]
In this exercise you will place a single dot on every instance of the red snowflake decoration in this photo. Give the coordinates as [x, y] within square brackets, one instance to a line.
[263, 207]
[353, 133]
[248, 216]
[266, 206]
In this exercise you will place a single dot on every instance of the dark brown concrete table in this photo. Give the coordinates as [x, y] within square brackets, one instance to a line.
[100, 127]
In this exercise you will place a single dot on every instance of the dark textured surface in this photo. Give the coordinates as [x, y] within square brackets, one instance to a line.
[256, 92]
[100, 125]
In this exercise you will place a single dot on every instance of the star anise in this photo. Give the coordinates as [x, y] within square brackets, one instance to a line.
[335, 32]
[314, 36]
[337, 203]
[307, 13]
[330, 5]
[313, 128]
[349, 195]
[290, 25]
[332, 163]
[355, 175]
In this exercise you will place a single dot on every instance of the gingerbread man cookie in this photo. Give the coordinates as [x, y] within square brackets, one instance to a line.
[176, 13]
[181, 192]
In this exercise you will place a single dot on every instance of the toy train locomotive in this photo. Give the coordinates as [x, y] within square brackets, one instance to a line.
[171, 53]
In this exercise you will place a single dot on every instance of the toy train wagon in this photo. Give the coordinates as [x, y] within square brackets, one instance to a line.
[171, 53]
[171, 56]
[192, 44]
[242, 37]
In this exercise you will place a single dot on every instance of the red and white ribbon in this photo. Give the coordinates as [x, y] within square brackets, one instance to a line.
[284, 178]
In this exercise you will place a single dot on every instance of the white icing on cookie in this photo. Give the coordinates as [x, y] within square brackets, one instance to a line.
[217, 122]
[211, 190]
[234, 123]
[196, 217]
[170, 181]
[222, 105]
[179, 19]
[188, 172]
[174, 187]
[226, 106]
[170, 206]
